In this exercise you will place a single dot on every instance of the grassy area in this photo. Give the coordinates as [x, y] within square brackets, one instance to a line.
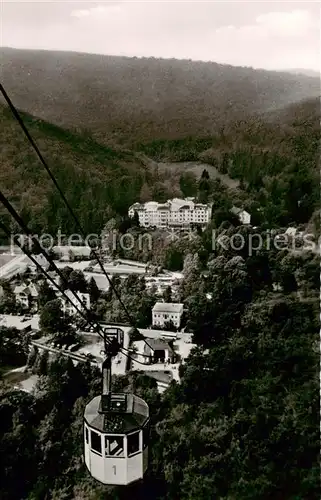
[197, 168]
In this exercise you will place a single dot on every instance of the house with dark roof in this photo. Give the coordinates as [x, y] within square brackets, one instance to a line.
[158, 351]
[26, 295]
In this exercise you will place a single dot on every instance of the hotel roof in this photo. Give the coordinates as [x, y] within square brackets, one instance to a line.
[168, 307]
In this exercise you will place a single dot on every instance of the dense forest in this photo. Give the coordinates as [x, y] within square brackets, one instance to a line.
[96, 180]
[192, 111]
[242, 424]
[126, 100]
[274, 158]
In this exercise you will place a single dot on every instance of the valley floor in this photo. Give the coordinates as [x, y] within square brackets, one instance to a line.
[197, 169]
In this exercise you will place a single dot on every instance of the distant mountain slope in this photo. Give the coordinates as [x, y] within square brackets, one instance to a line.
[306, 72]
[273, 131]
[296, 114]
[128, 100]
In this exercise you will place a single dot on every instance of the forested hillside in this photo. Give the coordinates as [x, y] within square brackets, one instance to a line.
[96, 180]
[126, 100]
[243, 424]
[275, 158]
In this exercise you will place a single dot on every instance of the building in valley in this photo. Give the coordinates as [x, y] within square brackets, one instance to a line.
[72, 305]
[26, 296]
[164, 312]
[243, 216]
[176, 213]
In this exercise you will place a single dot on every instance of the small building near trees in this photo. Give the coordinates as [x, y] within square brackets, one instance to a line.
[159, 351]
[72, 305]
[26, 296]
[164, 312]
[243, 216]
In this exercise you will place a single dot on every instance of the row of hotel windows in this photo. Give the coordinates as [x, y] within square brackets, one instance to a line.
[115, 445]
[172, 212]
[167, 211]
[174, 216]
[166, 316]
[180, 221]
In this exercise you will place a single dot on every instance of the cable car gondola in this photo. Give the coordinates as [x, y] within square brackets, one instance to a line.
[116, 431]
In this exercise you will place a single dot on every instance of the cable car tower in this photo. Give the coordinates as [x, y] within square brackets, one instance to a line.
[116, 431]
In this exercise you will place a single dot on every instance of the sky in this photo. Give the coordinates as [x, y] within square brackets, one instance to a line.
[260, 34]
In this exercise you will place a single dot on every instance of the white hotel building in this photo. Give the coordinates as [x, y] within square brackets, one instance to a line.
[173, 213]
[164, 312]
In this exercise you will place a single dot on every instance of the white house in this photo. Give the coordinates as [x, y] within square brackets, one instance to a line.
[71, 309]
[243, 216]
[293, 232]
[177, 213]
[26, 296]
[163, 312]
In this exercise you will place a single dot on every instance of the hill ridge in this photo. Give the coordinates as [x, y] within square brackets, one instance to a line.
[125, 100]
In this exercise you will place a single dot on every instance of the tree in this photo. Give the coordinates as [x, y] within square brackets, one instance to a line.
[32, 356]
[145, 193]
[100, 309]
[288, 282]
[107, 236]
[77, 281]
[135, 221]
[224, 164]
[249, 387]
[135, 335]
[188, 184]
[18, 444]
[204, 187]
[160, 192]
[13, 347]
[167, 295]
[144, 309]
[93, 291]
[173, 259]
[42, 365]
[125, 224]
[8, 300]
[192, 275]
[71, 256]
[46, 294]
[64, 283]
[52, 319]
[205, 174]
[214, 319]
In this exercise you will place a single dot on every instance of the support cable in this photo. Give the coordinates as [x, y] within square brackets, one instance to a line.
[16, 114]
[26, 230]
